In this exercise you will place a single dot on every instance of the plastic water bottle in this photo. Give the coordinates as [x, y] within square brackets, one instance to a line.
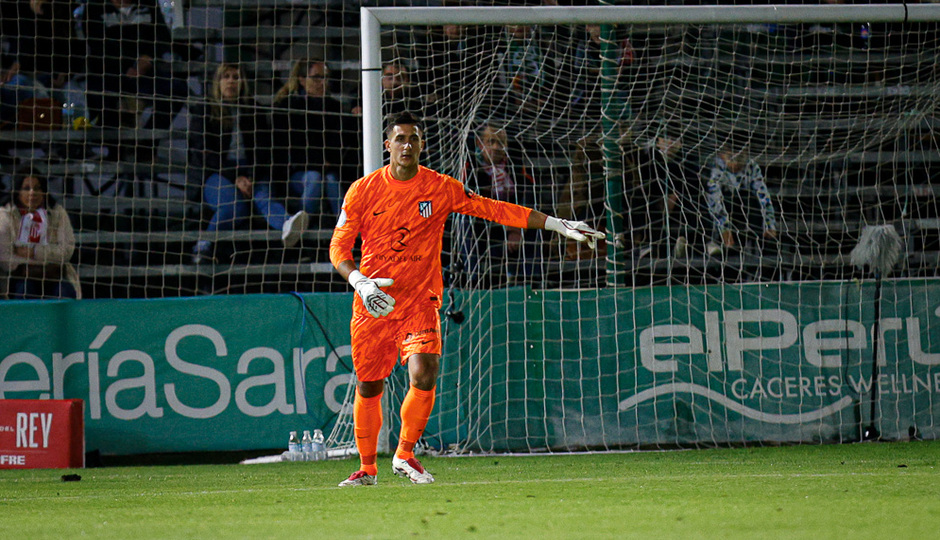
[74, 107]
[306, 446]
[168, 7]
[68, 116]
[319, 446]
[293, 447]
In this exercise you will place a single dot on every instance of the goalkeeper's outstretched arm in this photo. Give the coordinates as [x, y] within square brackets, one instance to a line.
[576, 230]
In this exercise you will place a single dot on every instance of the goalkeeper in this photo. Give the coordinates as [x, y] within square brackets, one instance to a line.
[400, 211]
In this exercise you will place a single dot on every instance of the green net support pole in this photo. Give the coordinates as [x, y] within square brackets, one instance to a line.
[613, 108]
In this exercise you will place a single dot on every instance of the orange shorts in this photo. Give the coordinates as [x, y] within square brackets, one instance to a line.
[378, 343]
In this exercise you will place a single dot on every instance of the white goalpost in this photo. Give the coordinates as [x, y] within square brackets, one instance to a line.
[672, 335]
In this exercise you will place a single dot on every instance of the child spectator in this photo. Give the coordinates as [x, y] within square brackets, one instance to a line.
[498, 256]
[732, 176]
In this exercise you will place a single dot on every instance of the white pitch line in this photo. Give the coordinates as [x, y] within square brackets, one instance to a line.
[634, 480]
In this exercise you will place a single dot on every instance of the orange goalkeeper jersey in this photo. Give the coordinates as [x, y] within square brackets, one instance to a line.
[402, 228]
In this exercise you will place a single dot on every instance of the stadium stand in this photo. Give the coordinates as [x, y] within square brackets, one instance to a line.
[136, 215]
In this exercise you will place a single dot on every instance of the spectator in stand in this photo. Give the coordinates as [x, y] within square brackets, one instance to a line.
[584, 196]
[314, 134]
[499, 256]
[588, 64]
[666, 194]
[43, 52]
[398, 96]
[36, 243]
[398, 93]
[734, 176]
[230, 149]
[520, 79]
[125, 40]
[450, 66]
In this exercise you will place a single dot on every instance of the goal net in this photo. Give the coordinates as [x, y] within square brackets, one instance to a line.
[733, 167]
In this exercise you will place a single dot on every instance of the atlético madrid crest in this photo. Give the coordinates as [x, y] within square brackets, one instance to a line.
[424, 208]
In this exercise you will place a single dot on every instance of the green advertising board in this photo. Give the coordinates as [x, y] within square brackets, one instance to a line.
[196, 374]
[527, 370]
[680, 366]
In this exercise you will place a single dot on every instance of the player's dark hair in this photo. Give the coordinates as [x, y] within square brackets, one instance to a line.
[405, 118]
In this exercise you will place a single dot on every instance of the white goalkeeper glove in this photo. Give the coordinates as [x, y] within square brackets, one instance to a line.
[575, 230]
[376, 301]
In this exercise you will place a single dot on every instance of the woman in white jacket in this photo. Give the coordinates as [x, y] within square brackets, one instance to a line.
[36, 243]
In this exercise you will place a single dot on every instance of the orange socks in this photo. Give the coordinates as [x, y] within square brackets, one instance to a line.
[367, 417]
[415, 411]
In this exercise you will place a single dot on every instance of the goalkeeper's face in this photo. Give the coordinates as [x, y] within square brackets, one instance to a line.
[404, 145]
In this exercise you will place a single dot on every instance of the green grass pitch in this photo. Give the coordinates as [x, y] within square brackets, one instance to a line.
[839, 491]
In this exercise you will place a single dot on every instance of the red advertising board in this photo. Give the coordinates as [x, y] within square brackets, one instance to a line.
[42, 434]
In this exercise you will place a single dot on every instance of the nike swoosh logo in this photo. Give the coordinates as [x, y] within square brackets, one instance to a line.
[379, 213]
[425, 342]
